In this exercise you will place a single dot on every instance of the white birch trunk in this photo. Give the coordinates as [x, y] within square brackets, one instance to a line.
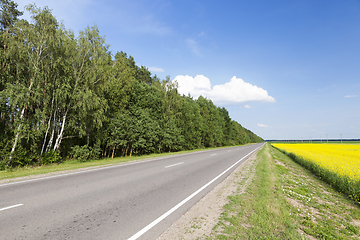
[17, 135]
[52, 134]
[47, 130]
[59, 138]
[19, 127]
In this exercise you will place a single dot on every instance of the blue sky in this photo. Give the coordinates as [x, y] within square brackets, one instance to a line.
[283, 69]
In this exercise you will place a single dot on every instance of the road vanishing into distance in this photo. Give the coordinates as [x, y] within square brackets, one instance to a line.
[137, 200]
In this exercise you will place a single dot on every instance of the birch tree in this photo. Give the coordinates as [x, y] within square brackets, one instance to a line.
[31, 52]
[79, 100]
[8, 16]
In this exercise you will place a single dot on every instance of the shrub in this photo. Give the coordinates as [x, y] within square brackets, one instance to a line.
[50, 157]
[84, 153]
[20, 158]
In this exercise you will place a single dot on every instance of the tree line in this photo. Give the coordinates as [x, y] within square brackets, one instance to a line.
[64, 96]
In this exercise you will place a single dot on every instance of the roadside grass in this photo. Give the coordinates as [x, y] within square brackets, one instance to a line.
[286, 201]
[74, 164]
[261, 212]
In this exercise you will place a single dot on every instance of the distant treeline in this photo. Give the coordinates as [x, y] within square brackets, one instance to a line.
[64, 97]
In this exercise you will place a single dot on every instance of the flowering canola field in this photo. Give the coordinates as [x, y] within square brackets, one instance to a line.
[338, 164]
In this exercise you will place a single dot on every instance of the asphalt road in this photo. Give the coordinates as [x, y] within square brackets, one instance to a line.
[137, 200]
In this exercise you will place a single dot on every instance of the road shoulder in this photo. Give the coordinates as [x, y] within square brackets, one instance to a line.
[200, 220]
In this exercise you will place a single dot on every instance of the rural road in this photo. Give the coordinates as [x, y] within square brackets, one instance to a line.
[138, 200]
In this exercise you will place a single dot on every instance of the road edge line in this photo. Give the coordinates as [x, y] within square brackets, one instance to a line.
[14, 206]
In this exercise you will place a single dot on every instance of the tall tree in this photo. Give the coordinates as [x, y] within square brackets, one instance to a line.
[191, 124]
[32, 52]
[120, 85]
[81, 106]
[228, 131]
[8, 16]
[170, 137]
[212, 135]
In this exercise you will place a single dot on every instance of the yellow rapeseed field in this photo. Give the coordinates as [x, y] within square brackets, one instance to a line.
[341, 161]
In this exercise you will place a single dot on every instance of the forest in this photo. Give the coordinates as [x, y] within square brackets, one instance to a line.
[64, 97]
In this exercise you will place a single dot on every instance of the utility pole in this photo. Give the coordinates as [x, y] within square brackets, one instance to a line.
[327, 140]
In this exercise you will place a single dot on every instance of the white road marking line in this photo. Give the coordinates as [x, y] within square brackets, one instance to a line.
[213, 154]
[174, 165]
[162, 217]
[6, 208]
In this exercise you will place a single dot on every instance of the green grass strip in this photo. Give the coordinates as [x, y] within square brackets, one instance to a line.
[262, 212]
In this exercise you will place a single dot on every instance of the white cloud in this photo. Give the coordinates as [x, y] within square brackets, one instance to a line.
[200, 85]
[235, 91]
[247, 106]
[350, 96]
[262, 125]
[155, 69]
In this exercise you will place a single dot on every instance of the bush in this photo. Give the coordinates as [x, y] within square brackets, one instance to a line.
[3, 164]
[50, 157]
[84, 153]
[21, 157]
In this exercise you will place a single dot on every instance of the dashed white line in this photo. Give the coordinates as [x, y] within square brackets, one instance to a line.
[100, 168]
[174, 165]
[213, 154]
[6, 208]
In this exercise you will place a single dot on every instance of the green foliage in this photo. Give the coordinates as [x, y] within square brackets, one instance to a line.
[22, 157]
[260, 212]
[212, 134]
[84, 153]
[190, 124]
[50, 157]
[8, 14]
